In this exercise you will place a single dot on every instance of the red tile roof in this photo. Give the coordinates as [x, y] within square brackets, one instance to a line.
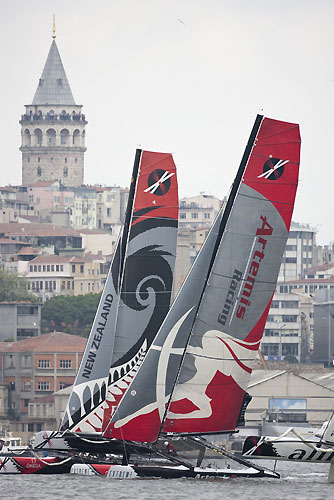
[53, 259]
[36, 229]
[28, 250]
[41, 183]
[56, 259]
[44, 399]
[307, 281]
[9, 241]
[49, 342]
[322, 267]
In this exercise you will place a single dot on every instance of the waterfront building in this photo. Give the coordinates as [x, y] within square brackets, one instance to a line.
[35, 368]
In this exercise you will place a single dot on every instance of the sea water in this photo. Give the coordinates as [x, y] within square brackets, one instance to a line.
[298, 481]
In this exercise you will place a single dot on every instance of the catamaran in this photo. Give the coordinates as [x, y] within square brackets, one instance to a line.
[192, 380]
[134, 302]
[194, 377]
[292, 446]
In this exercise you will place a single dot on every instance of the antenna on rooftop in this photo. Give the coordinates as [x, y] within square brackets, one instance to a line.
[54, 27]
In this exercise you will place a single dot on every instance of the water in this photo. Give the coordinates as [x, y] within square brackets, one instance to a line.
[298, 481]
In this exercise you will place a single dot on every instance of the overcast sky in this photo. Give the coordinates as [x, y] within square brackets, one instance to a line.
[181, 76]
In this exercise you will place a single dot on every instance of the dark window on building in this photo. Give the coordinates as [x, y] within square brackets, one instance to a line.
[289, 318]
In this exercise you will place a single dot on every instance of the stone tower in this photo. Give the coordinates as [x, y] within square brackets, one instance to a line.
[53, 129]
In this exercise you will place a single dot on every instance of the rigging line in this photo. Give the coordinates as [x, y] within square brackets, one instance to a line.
[225, 212]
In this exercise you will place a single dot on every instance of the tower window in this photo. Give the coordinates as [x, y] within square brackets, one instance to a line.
[64, 136]
[38, 159]
[38, 137]
[76, 137]
[27, 138]
[76, 160]
[65, 160]
[39, 172]
[51, 135]
[65, 172]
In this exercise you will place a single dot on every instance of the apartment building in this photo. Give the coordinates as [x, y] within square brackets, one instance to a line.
[283, 331]
[41, 235]
[299, 254]
[12, 206]
[35, 368]
[84, 208]
[198, 210]
[111, 204]
[19, 320]
[47, 197]
[51, 275]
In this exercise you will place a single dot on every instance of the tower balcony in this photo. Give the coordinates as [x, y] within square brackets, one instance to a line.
[52, 118]
[48, 149]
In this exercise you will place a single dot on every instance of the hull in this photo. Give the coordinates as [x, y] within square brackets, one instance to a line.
[168, 472]
[91, 469]
[33, 465]
[289, 449]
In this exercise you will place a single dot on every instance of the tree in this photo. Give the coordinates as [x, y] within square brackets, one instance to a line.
[70, 314]
[14, 287]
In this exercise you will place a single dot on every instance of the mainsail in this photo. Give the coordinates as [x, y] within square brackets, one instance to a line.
[136, 296]
[194, 377]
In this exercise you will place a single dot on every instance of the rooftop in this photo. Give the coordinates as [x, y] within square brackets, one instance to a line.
[8, 241]
[35, 229]
[53, 87]
[49, 342]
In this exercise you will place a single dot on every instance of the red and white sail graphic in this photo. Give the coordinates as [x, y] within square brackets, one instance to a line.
[216, 323]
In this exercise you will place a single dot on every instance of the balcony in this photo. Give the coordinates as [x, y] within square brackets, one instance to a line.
[66, 117]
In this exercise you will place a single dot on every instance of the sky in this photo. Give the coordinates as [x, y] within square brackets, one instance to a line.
[180, 76]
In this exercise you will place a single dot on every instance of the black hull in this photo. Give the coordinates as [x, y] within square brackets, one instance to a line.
[196, 473]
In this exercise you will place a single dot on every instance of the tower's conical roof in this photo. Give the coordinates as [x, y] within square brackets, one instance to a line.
[53, 87]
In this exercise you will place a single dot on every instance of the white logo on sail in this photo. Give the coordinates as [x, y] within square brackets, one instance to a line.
[219, 352]
[268, 173]
[160, 181]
